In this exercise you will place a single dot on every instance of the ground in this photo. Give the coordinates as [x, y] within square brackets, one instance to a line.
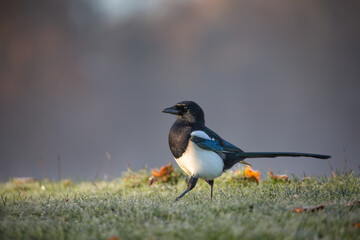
[128, 208]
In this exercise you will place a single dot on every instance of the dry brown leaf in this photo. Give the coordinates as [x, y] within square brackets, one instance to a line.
[357, 225]
[113, 238]
[283, 177]
[151, 180]
[309, 209]
[356, 202]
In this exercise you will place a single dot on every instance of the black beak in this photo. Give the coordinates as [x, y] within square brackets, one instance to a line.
[171, 110]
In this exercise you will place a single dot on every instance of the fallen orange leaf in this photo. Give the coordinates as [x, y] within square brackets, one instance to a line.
[164, 171]
[298, 210]
[251, 174]
[357, 225]
[162, 175]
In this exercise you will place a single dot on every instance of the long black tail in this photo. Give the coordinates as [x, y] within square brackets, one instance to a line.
[279, 154]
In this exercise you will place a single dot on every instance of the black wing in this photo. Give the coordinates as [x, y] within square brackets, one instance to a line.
[227, 152]
[213, 145]
[225, 144]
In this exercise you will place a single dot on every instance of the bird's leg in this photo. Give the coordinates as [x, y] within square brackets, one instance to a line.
[211, 183]
[191, 184]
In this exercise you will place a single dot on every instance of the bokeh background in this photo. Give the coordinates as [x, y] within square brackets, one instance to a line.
[79, 78]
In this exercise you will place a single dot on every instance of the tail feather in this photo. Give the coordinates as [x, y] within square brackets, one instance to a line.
[279, 154]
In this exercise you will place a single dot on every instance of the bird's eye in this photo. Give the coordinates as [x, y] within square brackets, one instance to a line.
[185, 108]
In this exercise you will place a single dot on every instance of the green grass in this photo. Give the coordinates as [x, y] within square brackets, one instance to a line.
[130, 209]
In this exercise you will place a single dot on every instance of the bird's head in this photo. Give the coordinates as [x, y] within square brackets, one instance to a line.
[188, 111]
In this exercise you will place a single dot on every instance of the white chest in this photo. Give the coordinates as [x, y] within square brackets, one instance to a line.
[203, 163]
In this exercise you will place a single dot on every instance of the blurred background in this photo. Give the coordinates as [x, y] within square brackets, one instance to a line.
[79, 78]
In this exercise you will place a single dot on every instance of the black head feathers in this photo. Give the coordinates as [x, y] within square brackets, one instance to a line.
[187, 111]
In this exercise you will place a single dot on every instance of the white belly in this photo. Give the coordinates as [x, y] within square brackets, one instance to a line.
[203, 163]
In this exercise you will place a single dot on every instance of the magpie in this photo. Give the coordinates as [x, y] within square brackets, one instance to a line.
[201, 153]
